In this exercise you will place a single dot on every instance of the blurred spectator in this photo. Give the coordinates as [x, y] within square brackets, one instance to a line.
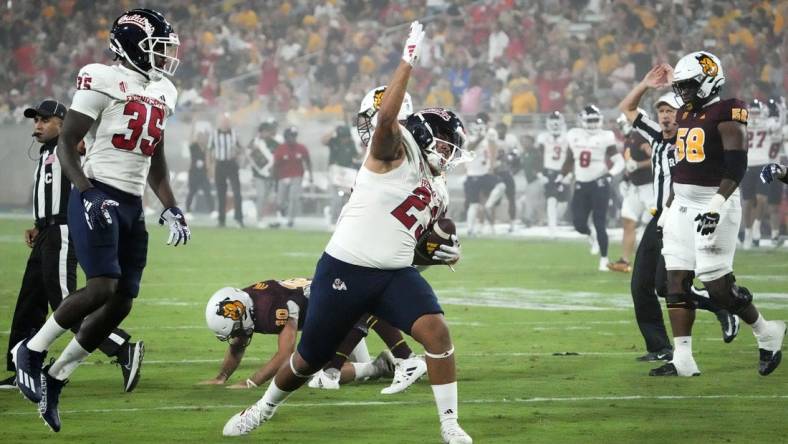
[342, 168]
[291, 162]
[226, 154]
[198, 171]
[532, 200]
[261, 161]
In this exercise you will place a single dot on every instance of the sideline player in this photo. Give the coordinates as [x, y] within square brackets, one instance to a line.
[479, 177]
[508, 163]
[366, 265]
[755, 194]
[590, 150]
[702, 217]
[121, 110]
[553, 146]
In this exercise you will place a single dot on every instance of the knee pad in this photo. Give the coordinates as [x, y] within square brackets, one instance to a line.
[679, 300]
[443, 355]
[741, 298]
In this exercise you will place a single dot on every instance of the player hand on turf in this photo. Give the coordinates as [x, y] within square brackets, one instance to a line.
[448, 254]
[248, 384]
[771, 172]
[707, 222]
[97, 205]
[212, 381]
[413, 46]
[176, 222]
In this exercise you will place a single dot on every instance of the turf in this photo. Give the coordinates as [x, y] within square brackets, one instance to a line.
[512, 304]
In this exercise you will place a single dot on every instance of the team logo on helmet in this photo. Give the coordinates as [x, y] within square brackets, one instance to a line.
[378, 99]
[231, 309]
[708, 65]
[137, 20]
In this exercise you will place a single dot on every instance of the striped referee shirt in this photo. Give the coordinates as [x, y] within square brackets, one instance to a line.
[659, 157]
[52, 187]
[223, 144]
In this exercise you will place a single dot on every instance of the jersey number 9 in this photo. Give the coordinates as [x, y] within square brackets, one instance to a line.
[142, 116]
[689, 145]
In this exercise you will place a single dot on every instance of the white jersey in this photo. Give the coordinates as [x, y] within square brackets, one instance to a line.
[481, 162]
[129, 113]
[589, 149]
[554, 150]
[387, 213]
[763, 143]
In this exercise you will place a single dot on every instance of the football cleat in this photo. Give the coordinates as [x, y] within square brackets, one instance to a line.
[384, 364]
[670, 369]
[730, 324]
[603, 264]
[452, 433]
[665, 354]
[8, 383]
[406, 372]
[244, 422]
[621, 265]
[594, 244]
[28, 370]
[50, 398]
[769, 349]
[327, 379]
[131, 369]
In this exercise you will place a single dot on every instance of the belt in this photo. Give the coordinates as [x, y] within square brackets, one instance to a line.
[51, 220]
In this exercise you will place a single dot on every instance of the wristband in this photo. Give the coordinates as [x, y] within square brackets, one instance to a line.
[716, 203]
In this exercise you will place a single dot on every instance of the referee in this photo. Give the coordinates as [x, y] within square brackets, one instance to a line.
[226, 150]
[51, 272]
[649, 277]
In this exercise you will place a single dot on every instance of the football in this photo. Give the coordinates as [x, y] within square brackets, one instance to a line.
[440, 233]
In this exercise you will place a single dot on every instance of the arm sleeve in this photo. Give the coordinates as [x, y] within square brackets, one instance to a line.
[293, 310]
[90, 102]
[648, 128]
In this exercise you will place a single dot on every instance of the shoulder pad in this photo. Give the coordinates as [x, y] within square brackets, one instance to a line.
[101, 78]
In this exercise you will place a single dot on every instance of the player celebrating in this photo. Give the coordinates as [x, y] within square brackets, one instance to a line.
[366, 265]
[590, 150]
[554, 146]
[701, 221]
[121, 112]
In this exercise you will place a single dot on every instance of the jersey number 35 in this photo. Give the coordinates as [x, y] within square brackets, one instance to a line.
[142, 117]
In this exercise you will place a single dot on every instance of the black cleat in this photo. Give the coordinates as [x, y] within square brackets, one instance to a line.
[8, 383]
[665, 354]
[730, 324]
[768, 361]
[131, 364]
[50, 397]
[28, 370]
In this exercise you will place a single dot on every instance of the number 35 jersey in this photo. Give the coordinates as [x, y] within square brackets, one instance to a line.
[386, 213]
[129, 113]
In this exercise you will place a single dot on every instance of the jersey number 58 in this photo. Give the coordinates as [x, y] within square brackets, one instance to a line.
[142, 117]
[689, 145]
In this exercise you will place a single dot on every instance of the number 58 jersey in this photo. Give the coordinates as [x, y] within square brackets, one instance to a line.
[129, 113]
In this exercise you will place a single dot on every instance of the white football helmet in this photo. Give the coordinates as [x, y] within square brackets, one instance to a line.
[698, 77]
[556, 124]
[230, 313]
[366, 120]
[757, 113]
[590, 118]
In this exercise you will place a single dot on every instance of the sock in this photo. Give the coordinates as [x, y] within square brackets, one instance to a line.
[364, 370]
[682, 347]
[50, 331]
[345, 348]
[68, 361]
[446, 401]
[756, 230]
[748, 235]
[473, 215]
[552, 212]
[271, 400]
[760, 326]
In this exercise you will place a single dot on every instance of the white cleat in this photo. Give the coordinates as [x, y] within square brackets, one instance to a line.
[452, 433]
[603, 264]
[244, 422]
[686, 367]
[384, 364]
[406, 372]
[594, 245]
[325, 379]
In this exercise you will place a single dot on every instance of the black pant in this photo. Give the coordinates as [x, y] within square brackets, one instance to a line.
[228, 170]
[649, 280]
[50, 275]
[198, 180]
[592, 198]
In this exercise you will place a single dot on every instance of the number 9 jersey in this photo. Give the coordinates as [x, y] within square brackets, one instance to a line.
[129, 113]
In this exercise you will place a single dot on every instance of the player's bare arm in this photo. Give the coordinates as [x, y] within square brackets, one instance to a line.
[75, 126]
[657, 77]
[569, 163]
[734, 145]
[646, 148]
[232, 359]
[286, 347]
[158, 176]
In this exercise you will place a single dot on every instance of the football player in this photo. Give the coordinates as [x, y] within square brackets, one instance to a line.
[272, 307]
[507, 164]
[776, 109]
[121, 111]
[755, 194]
[702, 217]
[479, 177]
[366, 266]
[554, 147]
[639, 195]
[590, 150]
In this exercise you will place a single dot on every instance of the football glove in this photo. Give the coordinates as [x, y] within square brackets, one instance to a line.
[448, 254]
[413, 46]
[771, 172]
[97, 205]
[176, 222]
[708, 219]
[631, 165]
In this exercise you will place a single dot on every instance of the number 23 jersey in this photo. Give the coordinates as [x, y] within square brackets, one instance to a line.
[129, 113]
[387, 213]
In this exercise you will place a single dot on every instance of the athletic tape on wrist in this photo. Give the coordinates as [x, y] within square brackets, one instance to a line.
[443, 355]
[250, 384]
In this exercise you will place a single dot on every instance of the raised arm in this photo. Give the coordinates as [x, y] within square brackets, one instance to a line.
[657, 77]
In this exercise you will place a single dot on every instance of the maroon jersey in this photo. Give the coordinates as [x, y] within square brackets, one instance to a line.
[271, 298]
[632, 148]
[699, 153]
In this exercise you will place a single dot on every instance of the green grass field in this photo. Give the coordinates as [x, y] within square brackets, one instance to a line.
[512, 304]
